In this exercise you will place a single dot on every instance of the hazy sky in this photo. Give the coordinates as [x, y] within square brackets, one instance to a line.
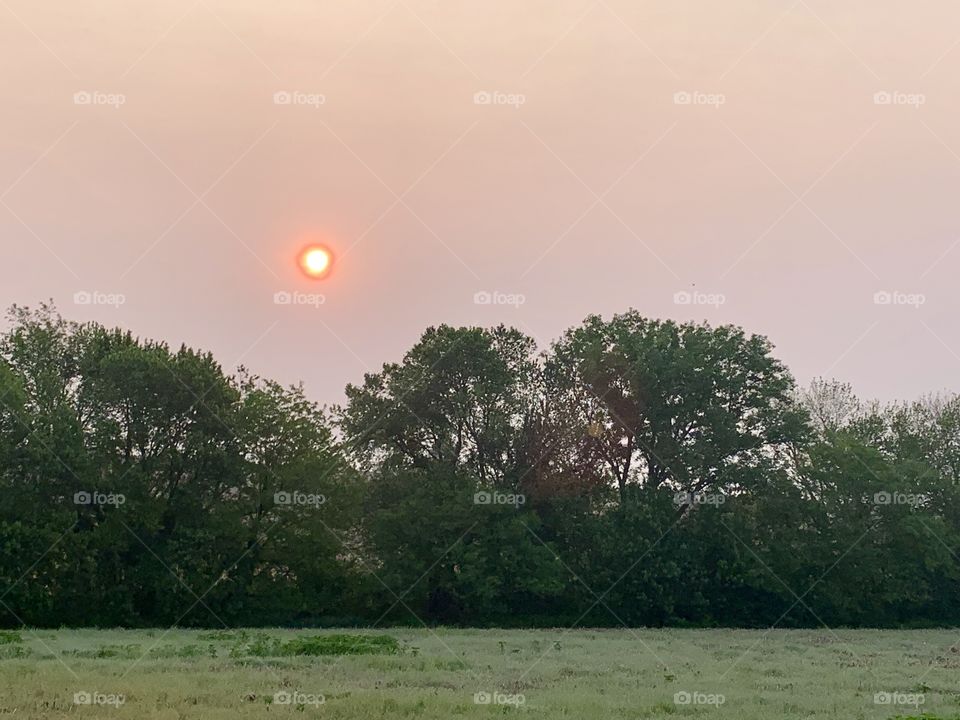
[618, 153]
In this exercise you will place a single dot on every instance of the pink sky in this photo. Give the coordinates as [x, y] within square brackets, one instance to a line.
[737, 152]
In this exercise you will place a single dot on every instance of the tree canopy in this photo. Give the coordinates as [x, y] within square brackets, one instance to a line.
[637, 471]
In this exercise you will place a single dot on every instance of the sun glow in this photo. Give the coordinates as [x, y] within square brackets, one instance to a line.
[316, 261]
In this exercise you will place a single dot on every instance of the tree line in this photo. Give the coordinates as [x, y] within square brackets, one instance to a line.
[636, 472]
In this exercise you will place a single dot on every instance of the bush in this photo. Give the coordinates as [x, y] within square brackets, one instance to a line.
[8, 637]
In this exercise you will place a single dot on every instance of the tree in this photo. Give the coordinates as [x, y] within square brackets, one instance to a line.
[458, 398]
[144, 482]
[438, 553]
[831, 404]
[452, 420]
[472, 482]
[679, 405]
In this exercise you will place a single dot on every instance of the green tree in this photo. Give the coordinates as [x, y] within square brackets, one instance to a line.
[452, 420]
[678, 405]
[193, 459]
[458, 398]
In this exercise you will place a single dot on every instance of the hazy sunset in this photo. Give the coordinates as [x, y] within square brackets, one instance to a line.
[587, 156]
[455, 331]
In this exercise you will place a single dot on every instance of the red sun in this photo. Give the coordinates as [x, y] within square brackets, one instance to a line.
[316, 261]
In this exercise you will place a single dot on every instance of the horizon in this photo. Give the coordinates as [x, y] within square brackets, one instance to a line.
[788, 168]
[542, 351]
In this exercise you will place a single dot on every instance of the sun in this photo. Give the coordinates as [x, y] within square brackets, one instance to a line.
[316, 261]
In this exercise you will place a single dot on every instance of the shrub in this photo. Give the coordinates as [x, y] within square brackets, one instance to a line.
[8, 637]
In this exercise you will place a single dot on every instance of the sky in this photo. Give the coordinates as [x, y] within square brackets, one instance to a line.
[789, 167]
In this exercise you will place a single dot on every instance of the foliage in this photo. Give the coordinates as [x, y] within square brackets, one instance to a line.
[637, 472]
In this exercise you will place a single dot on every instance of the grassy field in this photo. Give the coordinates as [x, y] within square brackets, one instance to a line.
[480, 673]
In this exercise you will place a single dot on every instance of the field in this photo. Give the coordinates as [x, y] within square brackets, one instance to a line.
[446, 673]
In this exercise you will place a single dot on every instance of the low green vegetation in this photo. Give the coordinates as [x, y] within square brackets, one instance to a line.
[474, 674]
[266, 646]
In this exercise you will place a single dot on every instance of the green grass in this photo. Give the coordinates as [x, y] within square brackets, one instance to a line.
[549, 674]
[264, 645]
